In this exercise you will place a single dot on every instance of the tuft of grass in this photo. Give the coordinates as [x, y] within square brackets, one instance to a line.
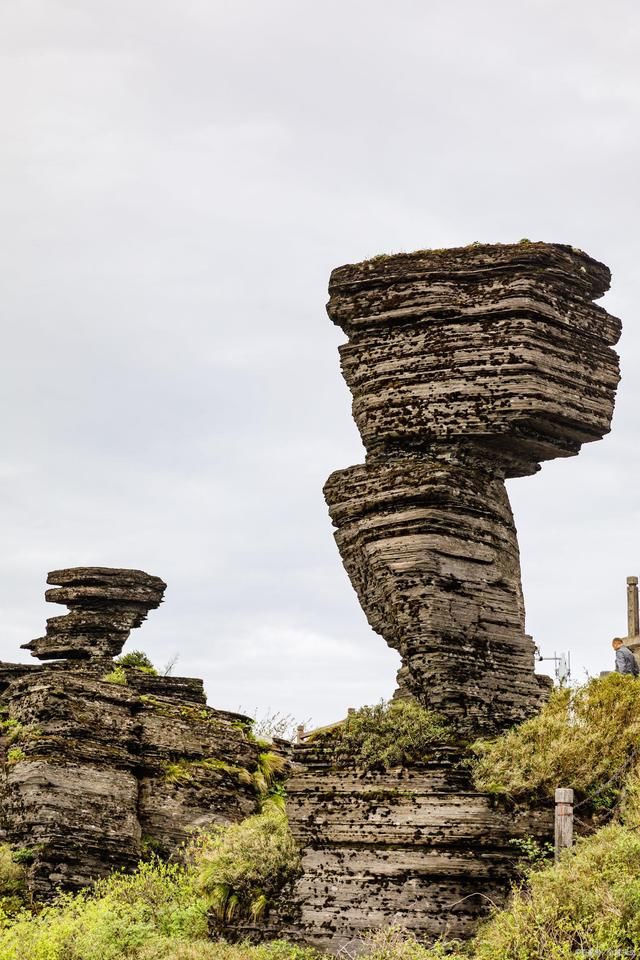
[117, 675]
[242, 867]
[271, 766]
[586, 738]
[184, 771]
[15, 755]
[389, 734]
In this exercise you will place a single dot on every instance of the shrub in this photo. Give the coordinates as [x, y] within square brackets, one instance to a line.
[121, 917]
[386, 735]
[589, 902]
[136, 660]
[585, 738]
[243, 866]
[13, 731]
[12, 881]
[15, 755]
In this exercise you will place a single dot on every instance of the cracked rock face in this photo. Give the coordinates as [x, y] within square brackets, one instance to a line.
[105, 604]
[467, 366]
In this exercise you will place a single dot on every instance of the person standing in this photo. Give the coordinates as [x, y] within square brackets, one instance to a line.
[625, 660]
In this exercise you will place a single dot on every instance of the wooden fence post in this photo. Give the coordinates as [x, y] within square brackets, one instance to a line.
[564, 820]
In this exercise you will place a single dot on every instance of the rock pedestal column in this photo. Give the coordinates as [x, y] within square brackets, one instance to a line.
[467, 367]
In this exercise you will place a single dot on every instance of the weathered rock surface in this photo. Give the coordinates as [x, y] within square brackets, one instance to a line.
[496, 345]
[419, 847]
[466, 366]
[95, 772]
[105, 605]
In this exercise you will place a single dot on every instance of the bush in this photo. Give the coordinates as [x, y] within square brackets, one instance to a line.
[386, 735]
[120, 917]
[12, 881]
[586, 738]
[242, 867]
[589, 901]
[136, 660]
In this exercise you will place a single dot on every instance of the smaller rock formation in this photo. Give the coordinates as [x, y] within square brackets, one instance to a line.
[104, 606]
[100, 765]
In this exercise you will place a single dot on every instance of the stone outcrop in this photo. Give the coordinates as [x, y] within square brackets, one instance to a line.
[467, 367]
[416, 847]
[104, 606]
[101, 766]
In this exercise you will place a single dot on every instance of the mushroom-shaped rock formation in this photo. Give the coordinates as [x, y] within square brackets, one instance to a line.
[105, 604]
[467, 366]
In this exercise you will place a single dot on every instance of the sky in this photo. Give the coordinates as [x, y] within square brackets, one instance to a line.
[177, 180]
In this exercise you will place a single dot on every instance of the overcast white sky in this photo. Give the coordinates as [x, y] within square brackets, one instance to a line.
[178, 178]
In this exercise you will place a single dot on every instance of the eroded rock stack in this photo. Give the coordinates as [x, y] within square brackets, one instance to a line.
[101, 765]
[418, 847]
[466, 366]
[105, 605]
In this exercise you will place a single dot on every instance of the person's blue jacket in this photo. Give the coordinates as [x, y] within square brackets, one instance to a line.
[626, 662]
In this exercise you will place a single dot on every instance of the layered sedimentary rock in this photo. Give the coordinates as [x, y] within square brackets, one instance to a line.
[416, 847]
[105, 604]
[99, 766]
[467, 367]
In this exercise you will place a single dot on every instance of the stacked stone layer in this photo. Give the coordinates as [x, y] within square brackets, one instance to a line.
[466, 366]
[420, 848]
[97, 773]
[105, 605]
[431, 550]
[498, 345]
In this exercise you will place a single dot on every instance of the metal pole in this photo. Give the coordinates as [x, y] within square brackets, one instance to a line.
[564, 820]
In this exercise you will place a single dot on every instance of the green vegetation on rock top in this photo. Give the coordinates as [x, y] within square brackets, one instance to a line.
[586, 738]
[136, 660]
[388, 734]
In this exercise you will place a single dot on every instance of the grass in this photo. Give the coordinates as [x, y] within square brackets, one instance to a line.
[117, 676]
[242, 868]
[587, 738]
[185, 771]
[389, 734]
